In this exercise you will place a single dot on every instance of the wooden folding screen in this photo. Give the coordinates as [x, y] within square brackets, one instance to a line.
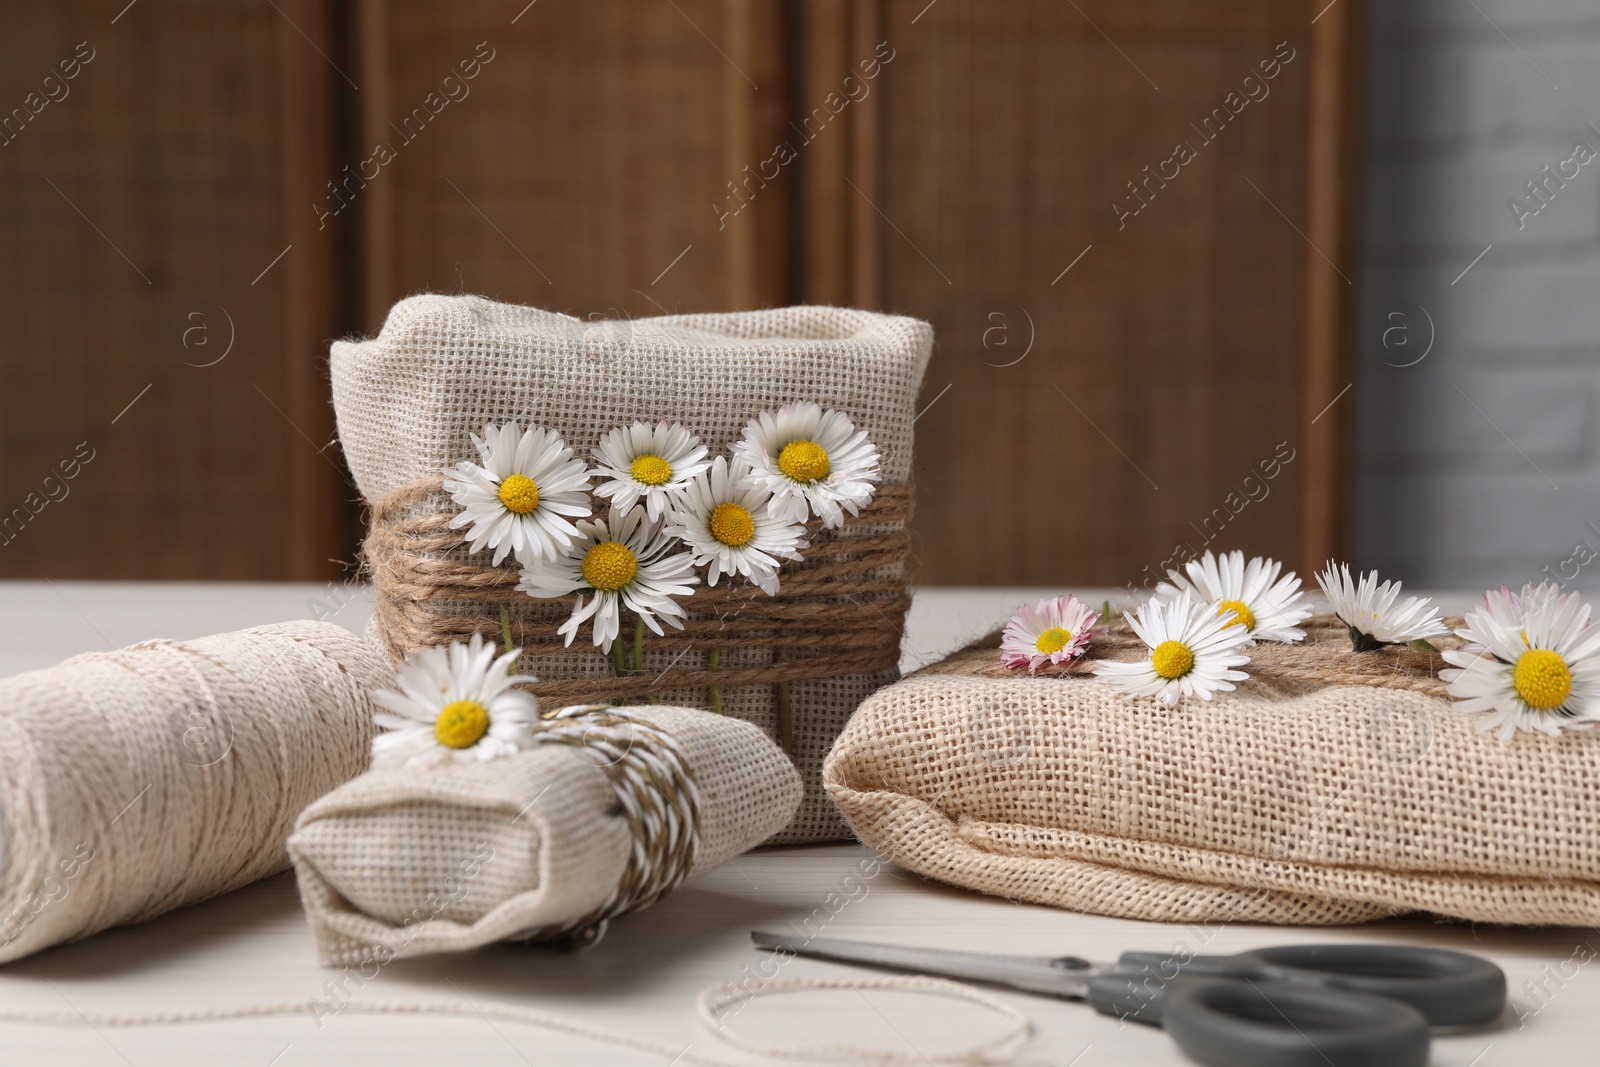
[1123, 357]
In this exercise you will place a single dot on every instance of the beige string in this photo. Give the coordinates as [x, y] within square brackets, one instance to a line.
[142, 780]
[656, 790]
[998, 1050]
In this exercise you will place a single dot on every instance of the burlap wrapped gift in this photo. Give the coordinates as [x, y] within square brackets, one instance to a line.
[1333, 787]
[610, 810]
[443, 366]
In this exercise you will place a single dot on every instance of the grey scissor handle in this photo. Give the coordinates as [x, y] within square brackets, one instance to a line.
[1247, 1024]
[1448, 988]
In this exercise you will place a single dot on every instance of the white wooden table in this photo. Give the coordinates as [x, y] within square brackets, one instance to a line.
[253, 946]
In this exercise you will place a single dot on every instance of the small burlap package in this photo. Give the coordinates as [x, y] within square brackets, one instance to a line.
[1332, 787]
[611, 809]
[796, 664]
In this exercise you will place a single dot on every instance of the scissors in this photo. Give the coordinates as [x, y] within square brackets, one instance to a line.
[1287, 1006]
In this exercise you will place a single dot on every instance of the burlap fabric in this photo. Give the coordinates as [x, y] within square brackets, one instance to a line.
[443, 366]
[1333, 787]
[402, 863]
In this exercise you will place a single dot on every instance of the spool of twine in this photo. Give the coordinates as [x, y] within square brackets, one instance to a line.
[840, 611]
[142, 780]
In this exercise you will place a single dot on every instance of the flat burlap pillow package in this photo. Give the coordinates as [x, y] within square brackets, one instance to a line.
[444, 366]
[1332, 787]
[596, 820]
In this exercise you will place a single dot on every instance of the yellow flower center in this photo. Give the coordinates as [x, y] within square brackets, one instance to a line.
[1242, 615]
[804, 461]
[609, 566]
[651, 470]
[1542, 678]
[1172, 659]
[461, 724]
[1053, 640]
[731, 524]
[519, 493]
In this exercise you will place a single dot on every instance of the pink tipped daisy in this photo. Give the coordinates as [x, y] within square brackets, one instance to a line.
[1054, 630]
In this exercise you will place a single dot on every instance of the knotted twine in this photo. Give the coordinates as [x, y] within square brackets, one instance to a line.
[142, 780]
[657, 795]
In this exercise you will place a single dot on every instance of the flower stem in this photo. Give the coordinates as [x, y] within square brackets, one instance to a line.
[638, 652]
[785, 712]
[1422, 644]
[713, 660]
[505, 633]
[785, 720]
[1363, 642]
[618, 663]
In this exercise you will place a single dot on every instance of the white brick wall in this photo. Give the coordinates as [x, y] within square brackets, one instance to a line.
[1479, 464]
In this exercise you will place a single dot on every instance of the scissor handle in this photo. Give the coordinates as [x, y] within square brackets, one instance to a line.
[1253, 1024]
[1448, 988]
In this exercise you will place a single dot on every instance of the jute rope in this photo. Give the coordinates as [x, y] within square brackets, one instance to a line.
[429, 591]
[997, 1050]
[1324, 658]
[659, 799]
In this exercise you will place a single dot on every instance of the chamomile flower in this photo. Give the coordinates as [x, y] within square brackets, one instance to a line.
[1506, 608]
[523, 496]
[727, 524]
[624, 562]
[812, 460]
[453, 703]
[1268, 607]
[1370, 611]
[1054, 630]
[649, 464]
[1193, 651]
[1543, 674]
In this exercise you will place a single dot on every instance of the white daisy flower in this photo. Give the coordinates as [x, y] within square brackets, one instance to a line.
[1506, 608]
[624, 562]
[1509, 609]
[522, 498]
[1268, 607]
[653, 465]
[455, 702]
[813, 461]
[729, 527]
[1054, 630]
[1542, 674]
[1193, 651]
[1369, 610]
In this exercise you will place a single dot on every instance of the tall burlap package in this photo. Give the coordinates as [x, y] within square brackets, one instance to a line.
[610, 810]
[1332, 787]
[443, 366]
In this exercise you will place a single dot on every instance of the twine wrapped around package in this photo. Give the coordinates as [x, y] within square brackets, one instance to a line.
[611, 809]
[798, 664]
[143, 780]
[1332, 787]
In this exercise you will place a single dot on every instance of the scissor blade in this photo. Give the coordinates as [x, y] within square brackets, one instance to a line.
[1061, 976]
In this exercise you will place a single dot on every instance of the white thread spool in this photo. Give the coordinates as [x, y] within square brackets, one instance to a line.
[138, 781]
